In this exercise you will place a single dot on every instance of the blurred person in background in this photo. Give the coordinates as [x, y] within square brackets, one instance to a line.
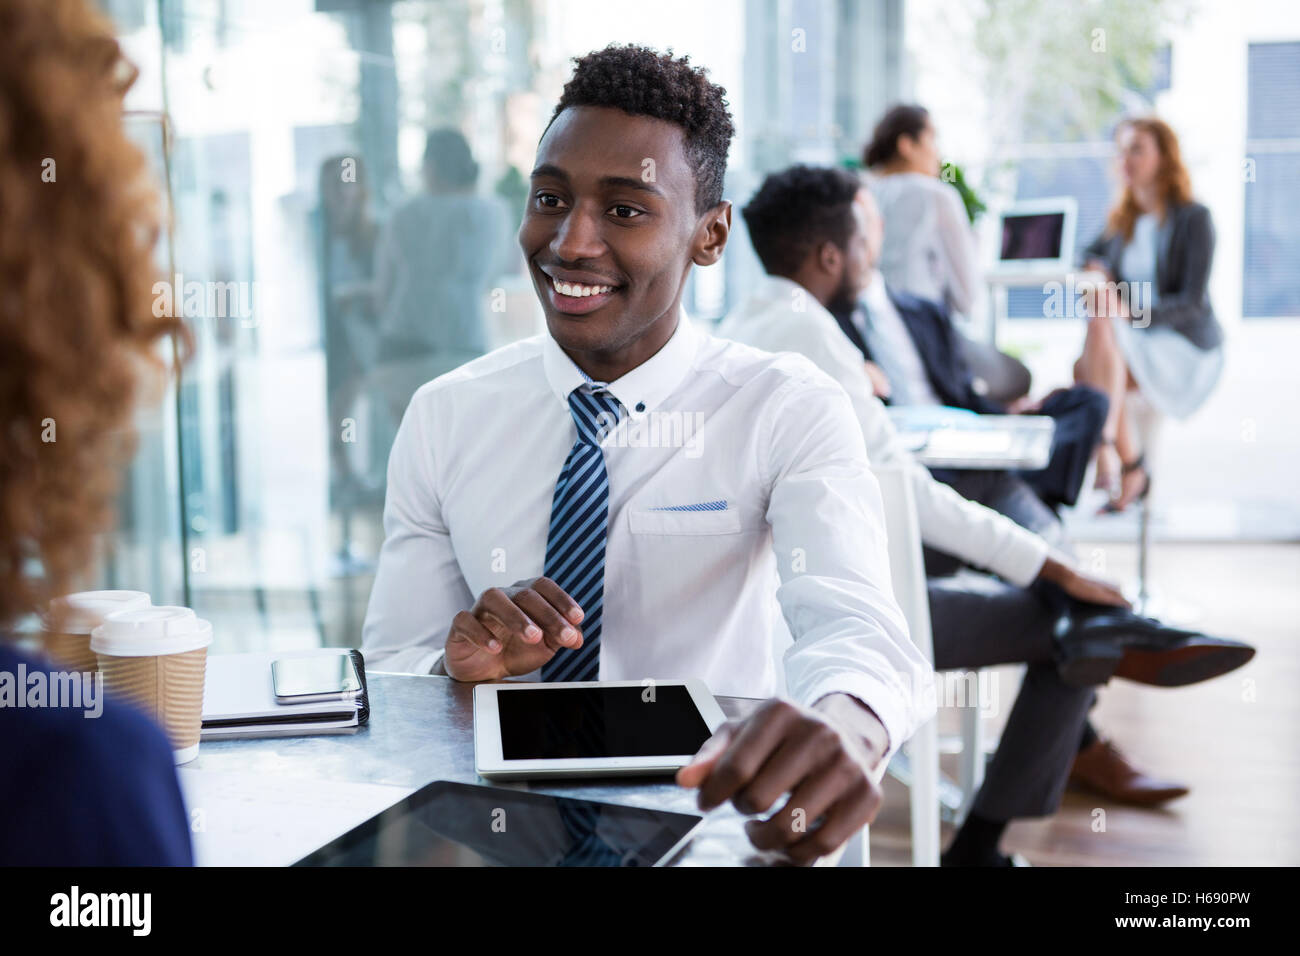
[77, 329]
[1153, 330]
[912, 343]
[436, 259]
[346, 234]
[929, 249]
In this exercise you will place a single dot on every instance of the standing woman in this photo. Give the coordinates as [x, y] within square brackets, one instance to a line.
[929, 249]
[1158, 335]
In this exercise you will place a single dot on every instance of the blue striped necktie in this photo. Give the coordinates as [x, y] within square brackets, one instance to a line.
[575, 545]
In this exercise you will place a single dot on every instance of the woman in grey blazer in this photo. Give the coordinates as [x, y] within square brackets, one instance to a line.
[1152, 329]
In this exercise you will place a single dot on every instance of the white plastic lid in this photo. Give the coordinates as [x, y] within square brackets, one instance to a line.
[149, 631]
[84, 611]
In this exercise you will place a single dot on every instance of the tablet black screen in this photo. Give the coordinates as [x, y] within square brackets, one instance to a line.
[568, 722]
[457, 824]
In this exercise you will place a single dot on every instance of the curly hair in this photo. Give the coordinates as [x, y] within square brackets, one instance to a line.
[796, 210]
[78, 223]
[641, 82]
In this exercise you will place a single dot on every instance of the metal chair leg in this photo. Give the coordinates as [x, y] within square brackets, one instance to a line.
[970, 773]
[1144, 548]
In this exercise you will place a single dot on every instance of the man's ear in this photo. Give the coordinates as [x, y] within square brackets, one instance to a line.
[711, 236]
[830, 258]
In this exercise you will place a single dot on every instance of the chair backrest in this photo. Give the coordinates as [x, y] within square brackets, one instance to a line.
[906, 563]
[1004, 377]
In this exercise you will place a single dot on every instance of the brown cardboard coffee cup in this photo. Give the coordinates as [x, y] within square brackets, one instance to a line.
[156, 658]
[69, 620]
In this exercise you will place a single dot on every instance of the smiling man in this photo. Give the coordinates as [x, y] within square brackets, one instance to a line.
[525, 536]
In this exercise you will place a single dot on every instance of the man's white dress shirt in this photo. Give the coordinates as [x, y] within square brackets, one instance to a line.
[782, 316]
[739, 495]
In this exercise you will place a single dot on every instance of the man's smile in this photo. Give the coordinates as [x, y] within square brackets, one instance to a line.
[576, 293]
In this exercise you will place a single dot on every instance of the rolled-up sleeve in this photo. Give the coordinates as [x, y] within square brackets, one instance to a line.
[828, 532]
[418, 585]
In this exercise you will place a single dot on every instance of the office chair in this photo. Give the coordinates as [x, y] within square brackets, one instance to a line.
[998, 376]
[1146, 421]
[907, 570]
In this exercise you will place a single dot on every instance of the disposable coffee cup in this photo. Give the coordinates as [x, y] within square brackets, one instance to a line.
[65, 631]
[156, 657]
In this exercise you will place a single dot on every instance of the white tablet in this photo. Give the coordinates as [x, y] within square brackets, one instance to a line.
[590, 729]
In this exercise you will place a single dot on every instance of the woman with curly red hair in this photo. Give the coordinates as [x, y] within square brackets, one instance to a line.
[78, 223]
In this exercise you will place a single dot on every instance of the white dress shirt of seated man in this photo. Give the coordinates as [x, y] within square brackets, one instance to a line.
[609, 250]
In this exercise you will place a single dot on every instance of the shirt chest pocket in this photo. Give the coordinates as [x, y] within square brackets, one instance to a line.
[684, 522]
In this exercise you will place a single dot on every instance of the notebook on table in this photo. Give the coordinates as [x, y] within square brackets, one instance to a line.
[239, 699]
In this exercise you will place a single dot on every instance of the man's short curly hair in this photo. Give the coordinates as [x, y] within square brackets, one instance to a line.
[796, 210]
[641, 82]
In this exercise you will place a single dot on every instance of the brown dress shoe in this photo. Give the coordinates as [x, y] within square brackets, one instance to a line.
[1100, 768]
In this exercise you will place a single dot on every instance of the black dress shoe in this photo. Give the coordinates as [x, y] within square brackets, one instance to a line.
[1117, 643]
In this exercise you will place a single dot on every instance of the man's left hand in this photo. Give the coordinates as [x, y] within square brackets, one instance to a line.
[826, 757]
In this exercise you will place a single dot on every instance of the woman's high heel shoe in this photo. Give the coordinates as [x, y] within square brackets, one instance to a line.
[1127, 468]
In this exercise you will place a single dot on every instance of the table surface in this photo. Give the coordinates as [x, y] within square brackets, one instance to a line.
[982, 442]
[270, 801]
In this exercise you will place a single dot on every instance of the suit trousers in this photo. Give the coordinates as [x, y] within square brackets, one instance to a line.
[979, 621]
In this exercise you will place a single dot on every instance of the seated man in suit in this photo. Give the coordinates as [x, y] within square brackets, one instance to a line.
[544, 517]
[914, 357]
[913, 352]
[811, 229]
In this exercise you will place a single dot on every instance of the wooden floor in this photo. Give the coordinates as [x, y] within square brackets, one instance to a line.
[1235, 740]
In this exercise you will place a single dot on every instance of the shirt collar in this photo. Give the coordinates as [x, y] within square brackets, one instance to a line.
[876, 294]
[640, 390]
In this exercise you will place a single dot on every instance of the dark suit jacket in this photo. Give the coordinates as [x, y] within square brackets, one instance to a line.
[936, 339]
[86, 792]
[1184, 250]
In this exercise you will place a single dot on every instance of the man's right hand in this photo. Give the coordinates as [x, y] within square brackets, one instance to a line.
[1081, 586]
[512, 631]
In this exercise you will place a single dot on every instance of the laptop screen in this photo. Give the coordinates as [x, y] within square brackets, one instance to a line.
[1032, 236]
